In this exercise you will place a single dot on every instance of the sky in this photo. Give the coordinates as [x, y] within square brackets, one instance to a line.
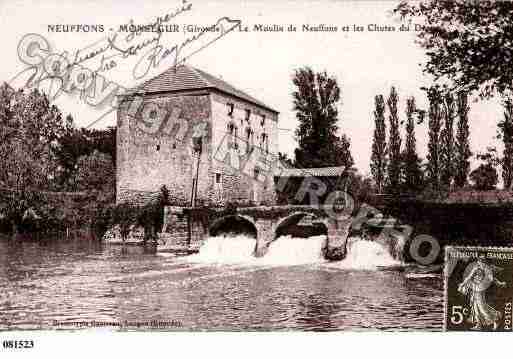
[364, 63]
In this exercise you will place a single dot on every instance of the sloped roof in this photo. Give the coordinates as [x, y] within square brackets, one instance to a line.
[310, 172]
[184, 77]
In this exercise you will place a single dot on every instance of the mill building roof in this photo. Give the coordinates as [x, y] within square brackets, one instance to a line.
[185, 78]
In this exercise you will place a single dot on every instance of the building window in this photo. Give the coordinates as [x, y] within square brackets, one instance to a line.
[232, 136]
[230, 109]
[264, 142]
[235, 135]
[158, 147]
[256, 173]
[249, 139]
[248, 114]
[218, 178]
[262, 121]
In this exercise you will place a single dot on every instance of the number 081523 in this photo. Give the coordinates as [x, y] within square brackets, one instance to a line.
[18, 344]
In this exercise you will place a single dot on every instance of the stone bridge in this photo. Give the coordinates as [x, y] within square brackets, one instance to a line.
[189, 227]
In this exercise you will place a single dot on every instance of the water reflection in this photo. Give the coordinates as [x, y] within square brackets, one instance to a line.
[79, 280]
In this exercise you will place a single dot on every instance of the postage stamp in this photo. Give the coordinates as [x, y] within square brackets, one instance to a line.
[478, 288]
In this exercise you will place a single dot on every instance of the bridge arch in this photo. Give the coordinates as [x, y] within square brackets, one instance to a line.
[233, 224]
[289, 224]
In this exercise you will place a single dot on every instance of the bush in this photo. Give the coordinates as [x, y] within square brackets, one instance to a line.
[150, 215]
[485, 177]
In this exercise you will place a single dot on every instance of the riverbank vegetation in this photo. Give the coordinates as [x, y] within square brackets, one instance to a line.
[55, 176]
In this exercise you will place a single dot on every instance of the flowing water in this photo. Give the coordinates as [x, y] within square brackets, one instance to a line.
[59, 283]
[363, 254]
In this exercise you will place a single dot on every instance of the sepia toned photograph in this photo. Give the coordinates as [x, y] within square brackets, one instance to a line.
[255, 166]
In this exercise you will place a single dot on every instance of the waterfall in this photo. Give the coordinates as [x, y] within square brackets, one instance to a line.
[366, 255]
[226, 249]
[239, 249]
[288, 250]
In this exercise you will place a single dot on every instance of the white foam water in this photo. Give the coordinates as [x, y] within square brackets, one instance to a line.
[239, 249]
[366, 255]
[226, 249]
[288, 250]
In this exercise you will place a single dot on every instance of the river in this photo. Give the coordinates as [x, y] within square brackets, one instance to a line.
[75, 284]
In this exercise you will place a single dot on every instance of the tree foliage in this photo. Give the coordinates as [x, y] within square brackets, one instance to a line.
[435, 115]
[394, 145]
[148, 216]
[469, 43]
[485, 176]
[412, 171]
[95, 172]
[315, 101]
[379, 145]
[506, 133]
[447, 168]
[30, 128]
[462, 145]
[79, 142]
[42, 154]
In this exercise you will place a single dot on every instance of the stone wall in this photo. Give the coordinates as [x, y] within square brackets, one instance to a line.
[176, 229]
[235, 166]
[338, 232]
[150, 156]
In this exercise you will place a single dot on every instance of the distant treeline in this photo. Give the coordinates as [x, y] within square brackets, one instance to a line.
[396, 166]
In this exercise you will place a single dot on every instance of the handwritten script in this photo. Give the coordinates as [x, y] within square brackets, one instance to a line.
[67, 72]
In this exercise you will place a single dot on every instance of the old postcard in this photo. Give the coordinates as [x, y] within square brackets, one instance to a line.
[222, 165]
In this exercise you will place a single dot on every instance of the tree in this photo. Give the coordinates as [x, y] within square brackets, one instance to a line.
[485, 177]
[315, 102]
[343, 151]
[447, 168]
[412, 171]
[31, 127]
[394, 163]
[78, 142]
[458, 35]
[435, 121]
[72, 145]
[506, 133]
[95, 173]
[462, 147]
[379, 146]
[360, 187]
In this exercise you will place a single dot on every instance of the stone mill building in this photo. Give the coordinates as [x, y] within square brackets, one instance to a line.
[212, 145]
[208, 142]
